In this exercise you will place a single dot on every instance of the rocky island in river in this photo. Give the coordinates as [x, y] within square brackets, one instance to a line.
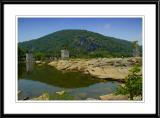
[103, 68]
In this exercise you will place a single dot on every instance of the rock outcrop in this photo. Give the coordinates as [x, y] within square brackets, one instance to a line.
[113, 97]
[44, 96]
[104, 68]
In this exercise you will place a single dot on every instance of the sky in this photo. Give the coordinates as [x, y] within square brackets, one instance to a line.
[123, 28]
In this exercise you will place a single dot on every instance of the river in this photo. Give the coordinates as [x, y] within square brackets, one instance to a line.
[35, 79]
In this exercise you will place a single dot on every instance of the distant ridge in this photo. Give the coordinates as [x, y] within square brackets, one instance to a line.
[80, 43]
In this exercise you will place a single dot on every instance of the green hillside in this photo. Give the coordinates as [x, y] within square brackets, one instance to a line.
[80, 43]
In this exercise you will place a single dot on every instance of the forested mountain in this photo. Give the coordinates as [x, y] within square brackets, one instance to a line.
[79, 43]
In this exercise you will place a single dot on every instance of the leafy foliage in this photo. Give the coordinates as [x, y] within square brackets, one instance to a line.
[132, 85]
[21, 54]
[80, 43]
[39, 56]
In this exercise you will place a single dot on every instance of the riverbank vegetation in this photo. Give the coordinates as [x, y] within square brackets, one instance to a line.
[132, 85]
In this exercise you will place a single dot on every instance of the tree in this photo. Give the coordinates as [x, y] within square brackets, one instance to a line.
[21, 53]
[132, 84]
[39, 56]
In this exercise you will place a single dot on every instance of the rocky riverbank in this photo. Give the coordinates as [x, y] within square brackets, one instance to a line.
[119, 97]
[104, 68]
[45, 96]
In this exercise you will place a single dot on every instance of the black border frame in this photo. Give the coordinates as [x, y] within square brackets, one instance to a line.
[2, 3]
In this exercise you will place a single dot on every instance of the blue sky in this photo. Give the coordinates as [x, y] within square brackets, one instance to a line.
[123, 28]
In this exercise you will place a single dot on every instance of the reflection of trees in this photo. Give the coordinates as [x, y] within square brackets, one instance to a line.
[24, 67]
[21, 69]
[54, 77]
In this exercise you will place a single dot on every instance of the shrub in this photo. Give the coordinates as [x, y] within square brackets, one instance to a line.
[39, 56]
[132, 84]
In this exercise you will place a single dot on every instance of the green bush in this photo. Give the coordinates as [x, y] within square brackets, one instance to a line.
[39, 56]
[132, 85]
[21, 53]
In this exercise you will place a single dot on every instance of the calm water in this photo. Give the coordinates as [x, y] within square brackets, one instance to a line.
[34, 80]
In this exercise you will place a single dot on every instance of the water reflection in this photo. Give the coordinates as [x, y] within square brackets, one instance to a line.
[29, 66]
[31, 89]
[35, 79]
[51, 76]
